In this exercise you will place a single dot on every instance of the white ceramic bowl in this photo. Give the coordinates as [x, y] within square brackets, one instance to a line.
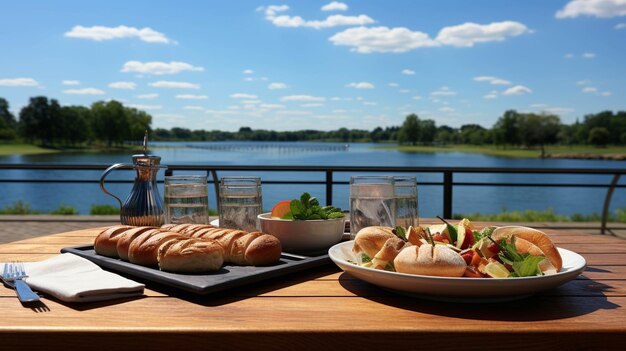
[297, 236]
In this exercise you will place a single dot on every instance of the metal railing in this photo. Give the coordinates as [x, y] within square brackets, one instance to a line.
[329, 181]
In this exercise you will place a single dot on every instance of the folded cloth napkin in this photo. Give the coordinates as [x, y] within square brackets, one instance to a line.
[72, 278]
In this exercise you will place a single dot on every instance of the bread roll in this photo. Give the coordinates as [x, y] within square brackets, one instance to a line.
[144, 250]
[370, 240]
[264, 250]
[123, 243]
[190, 255]
[106, 242]
[532, 241]
[424, 260]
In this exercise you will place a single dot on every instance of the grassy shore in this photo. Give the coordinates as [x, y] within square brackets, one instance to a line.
[552, 151]
[23, 149]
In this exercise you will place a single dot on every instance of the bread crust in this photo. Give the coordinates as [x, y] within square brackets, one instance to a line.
[106, 242]
[190, 255]
[530, 240]
[123, 243]
[144, 250]
[424, 260]
[370, 240]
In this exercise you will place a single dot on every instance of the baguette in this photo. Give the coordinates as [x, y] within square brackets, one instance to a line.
[190, 255]
[106, 242]
[426, 260]
[240, 247]
[144, 250]
[123, 243]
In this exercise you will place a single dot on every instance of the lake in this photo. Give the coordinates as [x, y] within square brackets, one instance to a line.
[46, 197]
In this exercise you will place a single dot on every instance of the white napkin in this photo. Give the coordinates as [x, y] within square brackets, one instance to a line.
[72, 278]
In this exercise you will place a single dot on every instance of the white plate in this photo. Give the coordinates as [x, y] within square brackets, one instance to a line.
[458, 289]
[215, 223]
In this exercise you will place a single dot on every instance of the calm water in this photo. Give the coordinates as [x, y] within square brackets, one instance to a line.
[45, 197]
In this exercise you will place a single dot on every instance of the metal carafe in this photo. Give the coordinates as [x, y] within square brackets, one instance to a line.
[143, 206]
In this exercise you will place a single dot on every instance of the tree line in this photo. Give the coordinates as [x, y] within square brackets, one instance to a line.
[46, 122]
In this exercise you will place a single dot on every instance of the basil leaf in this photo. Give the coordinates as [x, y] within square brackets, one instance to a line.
[452, 231]
[365, 258]
[335, 215]
[400, 232]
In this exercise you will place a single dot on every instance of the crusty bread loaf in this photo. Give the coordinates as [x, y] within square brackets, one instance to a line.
[533, 241]
[240, 247]
[190, 255]
[123, 243]
[106, 242]
[424, 260]
[144, 250]
[370, 240]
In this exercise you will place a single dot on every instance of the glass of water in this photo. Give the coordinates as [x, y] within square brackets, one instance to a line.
[407, 213]
[372, 202]
[240, 202]
[186, 199]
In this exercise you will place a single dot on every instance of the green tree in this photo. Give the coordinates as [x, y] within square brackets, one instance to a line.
[138, 121]
[539, 130]
[410, 130]
[428, 129]
[506, 129]
[599, 136]
[110, 122]
[8, 124]
[41, 120]
[75, 124]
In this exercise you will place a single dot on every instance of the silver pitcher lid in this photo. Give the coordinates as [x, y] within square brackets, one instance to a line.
[145, 159]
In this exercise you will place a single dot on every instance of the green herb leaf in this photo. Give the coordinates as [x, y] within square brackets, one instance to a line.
[308, 208]
[400, 232]
[365, 258]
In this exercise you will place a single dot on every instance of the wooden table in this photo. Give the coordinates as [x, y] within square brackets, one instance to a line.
[326, 309]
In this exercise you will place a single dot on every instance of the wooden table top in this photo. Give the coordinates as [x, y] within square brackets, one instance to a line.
[326, 308]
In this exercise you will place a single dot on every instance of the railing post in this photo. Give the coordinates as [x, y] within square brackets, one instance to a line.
[447, 194]
[216, 186]
[607, 203]
[329, 188]
[169, 172]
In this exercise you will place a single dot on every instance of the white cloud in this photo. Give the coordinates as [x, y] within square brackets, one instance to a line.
[193, 107]
[335, 6]
[416, 97]
[447, 109]
[408, 72]
[191, 97]
[294, 113]
[366, 40]
[590, 90]
[620, 26]
[369, 103]
[393, 85]
[148, 96]
[243, 96]
[492, 80]
[584, 82]
[221, 112]
[339, 111]
[568, 56]
[18, 82]
[595, 8]
[271, 14]
[307, 98]
[491, 95]
[335, 98]
[248, 71]
[404, 91]
[361, 85]
[271, 106]
[123, 85]
[251, 102]
[84, 91]
[589, 55]
[559, 110]
[468, 34]
[70, 82]
[170, 84]
[443, 91]
[313, 104]
[100, 33]
[517, 90]
[159, 68]
[146, 107]
[276, 86]
[606, 93]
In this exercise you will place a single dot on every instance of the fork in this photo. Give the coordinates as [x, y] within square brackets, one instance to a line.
[13, 274]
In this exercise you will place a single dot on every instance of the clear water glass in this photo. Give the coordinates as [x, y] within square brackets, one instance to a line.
[407, 210]
[240, 202]
[186, 199]
[372, 202]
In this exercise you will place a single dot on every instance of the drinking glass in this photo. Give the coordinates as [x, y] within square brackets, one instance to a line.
[240, 202]
[407, 213]
[186, 199]
[372, 202]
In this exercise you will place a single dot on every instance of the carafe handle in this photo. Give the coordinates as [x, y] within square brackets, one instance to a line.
[105, 173]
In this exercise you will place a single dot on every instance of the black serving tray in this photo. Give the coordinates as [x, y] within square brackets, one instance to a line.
[229, 276]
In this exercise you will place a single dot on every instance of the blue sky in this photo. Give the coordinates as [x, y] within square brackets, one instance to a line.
[289, 65]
